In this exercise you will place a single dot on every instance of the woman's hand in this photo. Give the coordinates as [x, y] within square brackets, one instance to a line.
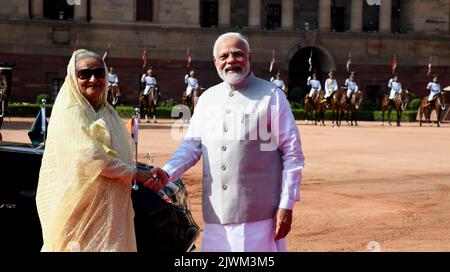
[155, 179]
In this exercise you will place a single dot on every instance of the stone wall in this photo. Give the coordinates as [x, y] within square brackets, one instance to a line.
[41, 48]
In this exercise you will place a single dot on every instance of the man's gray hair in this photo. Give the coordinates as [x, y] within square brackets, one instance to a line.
[228, 35]
[87, 54]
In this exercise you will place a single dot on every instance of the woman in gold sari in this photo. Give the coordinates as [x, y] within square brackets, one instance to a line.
[84, 191]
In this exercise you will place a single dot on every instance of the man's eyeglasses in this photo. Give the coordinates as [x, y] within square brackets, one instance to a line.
[87, 73]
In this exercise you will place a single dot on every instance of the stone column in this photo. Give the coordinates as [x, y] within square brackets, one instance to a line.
[155, 11]
[80, 11]
[356, 16]
[224, 13]
[37, 9]
[385, 16]
[287, 14]
[254, 20]
[324, 15]
[23, 9]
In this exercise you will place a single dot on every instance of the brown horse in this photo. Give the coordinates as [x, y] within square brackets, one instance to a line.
[353, 106]
[317, 107]
[337, 106]
[399, 103]
[113, 95]
[438, 104]
[148, 103]
[5, 88]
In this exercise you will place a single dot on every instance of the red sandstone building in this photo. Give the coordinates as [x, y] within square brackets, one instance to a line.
[39, 36]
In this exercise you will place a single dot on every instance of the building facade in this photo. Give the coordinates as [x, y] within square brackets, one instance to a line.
[39, 36]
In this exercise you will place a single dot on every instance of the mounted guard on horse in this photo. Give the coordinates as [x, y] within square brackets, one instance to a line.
[149, 96]
[113, 87]
[434, 101]
[354, 98]
[334, 99]
[313, 100]
[398, 99]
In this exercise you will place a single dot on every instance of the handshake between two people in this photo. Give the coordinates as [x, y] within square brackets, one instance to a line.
[155, 178]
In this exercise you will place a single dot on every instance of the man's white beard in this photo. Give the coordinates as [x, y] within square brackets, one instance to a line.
[233, 78]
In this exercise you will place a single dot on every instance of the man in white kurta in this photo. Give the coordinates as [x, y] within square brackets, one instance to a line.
[191, 82]
[279, 82]
[351, 86]
[330, 85]
[434, 87]
[315, 85]
[251, 176]
[149, 80]
[395, 86]
[113, 79]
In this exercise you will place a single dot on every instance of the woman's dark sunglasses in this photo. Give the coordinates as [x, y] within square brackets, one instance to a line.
[87, 73]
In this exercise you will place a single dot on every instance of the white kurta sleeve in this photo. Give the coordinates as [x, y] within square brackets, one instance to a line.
[189, 152]
[289, 143]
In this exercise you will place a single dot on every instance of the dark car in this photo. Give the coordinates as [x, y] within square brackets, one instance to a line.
[159, 226]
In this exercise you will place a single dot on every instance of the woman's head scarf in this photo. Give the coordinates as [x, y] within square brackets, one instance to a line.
[79, 209]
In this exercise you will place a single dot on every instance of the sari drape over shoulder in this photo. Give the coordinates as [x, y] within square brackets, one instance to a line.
[84, 190]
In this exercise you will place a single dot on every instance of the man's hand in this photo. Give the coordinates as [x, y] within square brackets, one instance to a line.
[283, 221]
[155, 179]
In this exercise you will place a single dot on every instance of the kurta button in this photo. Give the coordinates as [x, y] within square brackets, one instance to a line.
[225, 129]
[224, 148]
[224, 187]
[228, 111]
[231, 94]
[224, 167]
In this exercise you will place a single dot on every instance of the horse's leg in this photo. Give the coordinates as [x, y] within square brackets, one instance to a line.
[316, 116]
[338, 121]
[141, 110]
[322, 116]
[355, 114]
[154, 112]
[306, 112]
[348, 115]
[438, 115]
[147, 111]
[399, 117]
[333, 114]
[389, 116]
[420, 115]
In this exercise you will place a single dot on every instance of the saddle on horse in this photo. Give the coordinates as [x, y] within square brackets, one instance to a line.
[433, 100]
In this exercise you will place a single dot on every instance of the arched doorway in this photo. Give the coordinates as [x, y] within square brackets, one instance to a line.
[299, 70]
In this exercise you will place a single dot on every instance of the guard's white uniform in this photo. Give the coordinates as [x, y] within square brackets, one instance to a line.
[330, 86]
[192, 84]
[396, 87]
[149, 81]
[315, 86]
[435, 88]
[351, 87]
[280, 84]
[112, 80]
